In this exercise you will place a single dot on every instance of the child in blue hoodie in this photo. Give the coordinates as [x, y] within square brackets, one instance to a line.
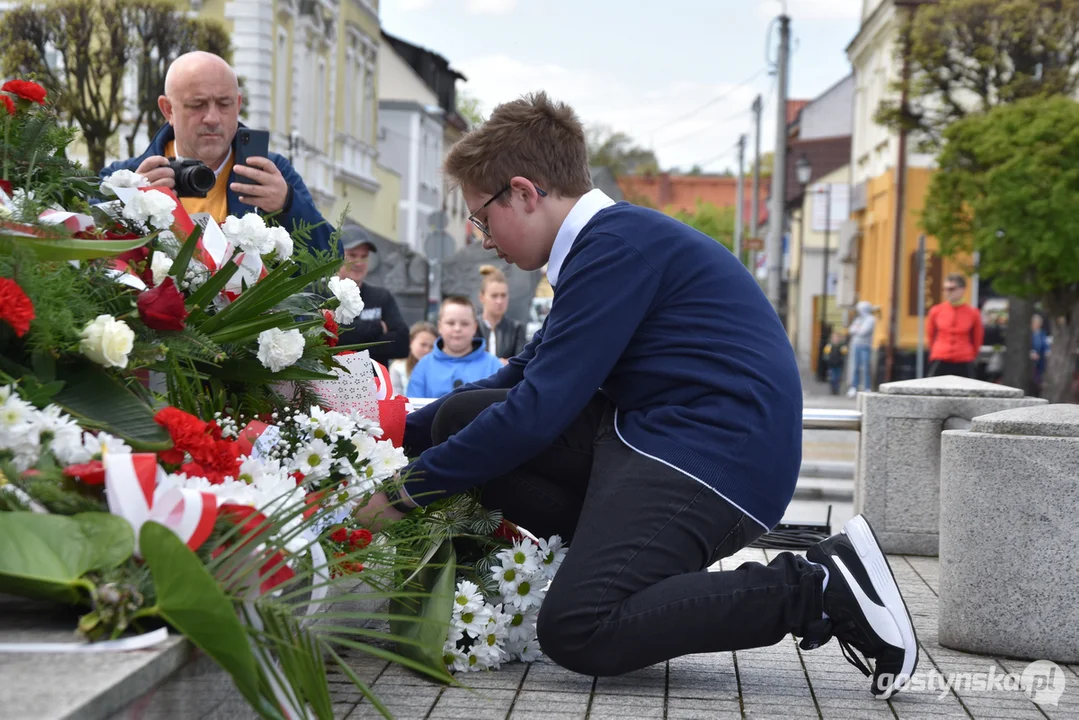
[458, 358]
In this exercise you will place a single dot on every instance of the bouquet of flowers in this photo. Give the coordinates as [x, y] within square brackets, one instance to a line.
[489, 628]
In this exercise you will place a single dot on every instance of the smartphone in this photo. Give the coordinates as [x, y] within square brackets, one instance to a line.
[251, 143]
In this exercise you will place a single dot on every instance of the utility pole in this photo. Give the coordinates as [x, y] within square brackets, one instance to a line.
[740, 199]
[779, 167]
[754, 228]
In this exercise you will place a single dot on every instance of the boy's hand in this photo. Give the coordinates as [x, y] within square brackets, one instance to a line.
[377, 512]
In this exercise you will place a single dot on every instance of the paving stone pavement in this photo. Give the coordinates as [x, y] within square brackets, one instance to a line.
[781, 681]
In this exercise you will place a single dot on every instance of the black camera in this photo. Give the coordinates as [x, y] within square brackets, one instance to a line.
[194, 178]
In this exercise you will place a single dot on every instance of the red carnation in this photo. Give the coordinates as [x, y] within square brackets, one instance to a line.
[91, 473]
[162, 308]
[360, 538]
[15, 307]
[332, 327]
[26, 90]
[339, 535]
[9, 104]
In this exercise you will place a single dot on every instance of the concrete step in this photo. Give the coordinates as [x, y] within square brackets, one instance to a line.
[840, 489]
[827, 469]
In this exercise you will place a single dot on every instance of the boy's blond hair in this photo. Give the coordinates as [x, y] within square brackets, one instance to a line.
[534, 137]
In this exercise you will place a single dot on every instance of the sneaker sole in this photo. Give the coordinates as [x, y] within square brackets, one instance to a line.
[863, 539]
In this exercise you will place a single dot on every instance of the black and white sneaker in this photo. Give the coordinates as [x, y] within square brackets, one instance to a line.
[865, 608]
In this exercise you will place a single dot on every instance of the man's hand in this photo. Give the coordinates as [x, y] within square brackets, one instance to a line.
[270, 193]
[377, 512]
[156, 169]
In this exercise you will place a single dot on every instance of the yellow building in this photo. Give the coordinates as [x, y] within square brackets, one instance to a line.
[889, 181]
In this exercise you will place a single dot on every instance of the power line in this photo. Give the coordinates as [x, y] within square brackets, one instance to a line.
[723, 96]
[711, 126]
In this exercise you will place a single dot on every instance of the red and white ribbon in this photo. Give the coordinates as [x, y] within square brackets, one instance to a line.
[133, 491]
[75, 222]
[383, 386]
[251, 271]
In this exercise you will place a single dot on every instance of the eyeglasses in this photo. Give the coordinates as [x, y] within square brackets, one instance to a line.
[482, 225]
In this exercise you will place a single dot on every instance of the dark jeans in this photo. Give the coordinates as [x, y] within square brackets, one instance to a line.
[939, 367]
[634, 589]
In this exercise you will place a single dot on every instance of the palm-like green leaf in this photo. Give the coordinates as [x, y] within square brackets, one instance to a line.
[97, 399]
[62, 249]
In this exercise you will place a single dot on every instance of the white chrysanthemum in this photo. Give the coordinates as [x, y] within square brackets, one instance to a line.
[507, 576]
[525, 594]
[475, 660]
[160, 265]
[348, 292]
[329, 424]
[16, 415]
[468, 598]
[386, 460]
[123, 179]
[314, 459]
[151, 208]
[282, 242]
[524, 651]
[365, 424]
[551, 554]
[521, 625]
[107, 341]
[263, 472]
[98, 445]
[248, 233]
[278, 349]
[454, 658]
[473, 622]
[63, 434]
[365, 445]
[523, 556]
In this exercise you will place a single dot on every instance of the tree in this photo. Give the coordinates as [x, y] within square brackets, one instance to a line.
[617, 151]
[767, 163]
[715, 222]
[1007, 188]
[967, 56]
[468, 107]
[162, 33]
[93, 42]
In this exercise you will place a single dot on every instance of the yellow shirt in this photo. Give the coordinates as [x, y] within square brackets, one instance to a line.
[216, 202]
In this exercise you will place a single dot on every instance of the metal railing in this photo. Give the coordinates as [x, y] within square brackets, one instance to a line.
[812, 418]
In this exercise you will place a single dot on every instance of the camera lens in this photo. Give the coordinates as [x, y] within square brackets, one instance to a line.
[195, 180]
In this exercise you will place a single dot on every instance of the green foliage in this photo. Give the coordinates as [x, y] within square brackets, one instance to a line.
[468, 107]
[1007, 188]
[437, 580]
[45, 556]
[971, 55]
[715, 222]
[617, 151]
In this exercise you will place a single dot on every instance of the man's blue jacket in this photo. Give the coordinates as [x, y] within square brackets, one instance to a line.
[298, 207]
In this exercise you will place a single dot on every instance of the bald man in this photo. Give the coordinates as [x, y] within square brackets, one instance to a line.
[201, 106]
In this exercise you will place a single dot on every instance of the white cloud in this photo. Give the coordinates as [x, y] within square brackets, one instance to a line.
[490, 7]
[610, 98]
[413, 5]
[800, 10]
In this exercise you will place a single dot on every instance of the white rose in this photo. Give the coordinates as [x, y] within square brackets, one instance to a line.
[279, 349]
[282, 242]
[107, 341]
[348, 292]
[160, 266]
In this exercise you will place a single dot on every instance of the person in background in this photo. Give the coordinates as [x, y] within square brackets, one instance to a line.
[459, 357]
[954, 332]
[421, 339]
[380, 320]
[860, 334]
[835, 359]
[505, 336]
[201, 107]
[1039, 351]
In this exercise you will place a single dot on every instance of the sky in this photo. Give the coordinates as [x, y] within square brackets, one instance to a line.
[678, 76]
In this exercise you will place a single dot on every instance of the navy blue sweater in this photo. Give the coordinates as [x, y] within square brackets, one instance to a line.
[678, 334]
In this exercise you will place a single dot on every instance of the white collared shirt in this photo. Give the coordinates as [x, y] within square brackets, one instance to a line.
[580, 215]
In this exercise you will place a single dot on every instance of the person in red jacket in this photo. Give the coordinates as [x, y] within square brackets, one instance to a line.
[955, 332]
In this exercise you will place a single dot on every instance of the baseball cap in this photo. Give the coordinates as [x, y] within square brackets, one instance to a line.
[354, 236]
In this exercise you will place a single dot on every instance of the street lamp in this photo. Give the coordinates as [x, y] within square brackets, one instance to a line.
[804, 170]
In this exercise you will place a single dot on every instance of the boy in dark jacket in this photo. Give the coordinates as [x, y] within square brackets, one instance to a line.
[654, 422]
[835, 360]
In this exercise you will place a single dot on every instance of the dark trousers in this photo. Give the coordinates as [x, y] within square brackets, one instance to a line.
[634, 589]
[939, 367]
